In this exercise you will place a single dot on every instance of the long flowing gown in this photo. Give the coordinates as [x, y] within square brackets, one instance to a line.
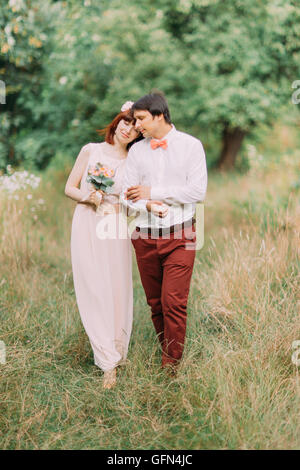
[102, 267]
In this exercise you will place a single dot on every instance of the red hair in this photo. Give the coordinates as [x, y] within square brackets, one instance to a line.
[110, 130]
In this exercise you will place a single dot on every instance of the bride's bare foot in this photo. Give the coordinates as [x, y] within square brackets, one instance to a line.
[110, 378]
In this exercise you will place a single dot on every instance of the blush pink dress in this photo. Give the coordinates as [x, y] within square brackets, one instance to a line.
[102, 266]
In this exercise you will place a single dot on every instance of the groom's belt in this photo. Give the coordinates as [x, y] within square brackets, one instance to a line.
[159, 232]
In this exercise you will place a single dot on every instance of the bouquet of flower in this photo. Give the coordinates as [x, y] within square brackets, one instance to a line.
[100, 177]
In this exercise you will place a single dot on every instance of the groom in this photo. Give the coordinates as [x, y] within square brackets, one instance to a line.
[165, 177]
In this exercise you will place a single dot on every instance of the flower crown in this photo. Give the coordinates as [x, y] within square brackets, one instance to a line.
[126, 106]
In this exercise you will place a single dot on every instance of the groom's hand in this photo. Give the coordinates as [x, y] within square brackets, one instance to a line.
[138, 192]
[157, 208]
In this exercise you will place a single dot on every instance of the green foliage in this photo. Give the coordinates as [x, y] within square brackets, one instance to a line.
[25, 34]
[69, 66]
[240, 59]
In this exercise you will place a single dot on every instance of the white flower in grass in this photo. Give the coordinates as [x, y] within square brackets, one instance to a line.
[7, 29]
[16, 5]
[11, 41]
[69, 39]
[63, 80]
[19, 180]
[29, 196]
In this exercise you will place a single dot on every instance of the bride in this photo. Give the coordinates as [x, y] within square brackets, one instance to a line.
[102, 266]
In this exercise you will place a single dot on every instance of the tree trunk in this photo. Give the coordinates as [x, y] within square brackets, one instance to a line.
[232, 141]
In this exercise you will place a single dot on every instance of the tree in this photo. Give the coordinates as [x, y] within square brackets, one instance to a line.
[24, 40]
[102, 55]
[225, 68]
[240, 60]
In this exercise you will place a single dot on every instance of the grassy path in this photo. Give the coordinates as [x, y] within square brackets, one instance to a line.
[237, 387]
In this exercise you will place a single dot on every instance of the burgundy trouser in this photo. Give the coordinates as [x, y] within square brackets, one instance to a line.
[166, 266]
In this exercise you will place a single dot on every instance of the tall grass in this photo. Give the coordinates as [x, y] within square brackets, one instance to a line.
[236, 388]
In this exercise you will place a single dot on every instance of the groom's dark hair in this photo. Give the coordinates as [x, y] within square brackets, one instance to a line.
[155, 103]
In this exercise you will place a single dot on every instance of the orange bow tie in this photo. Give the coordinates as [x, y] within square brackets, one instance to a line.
[158, 143]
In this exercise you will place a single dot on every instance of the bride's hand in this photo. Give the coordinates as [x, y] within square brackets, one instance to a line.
[95, 197]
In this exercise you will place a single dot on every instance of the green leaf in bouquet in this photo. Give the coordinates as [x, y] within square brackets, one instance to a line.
[97, 179]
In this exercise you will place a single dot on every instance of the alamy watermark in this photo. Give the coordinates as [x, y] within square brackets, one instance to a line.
[295, 99]
[2, 92]
[121, 226]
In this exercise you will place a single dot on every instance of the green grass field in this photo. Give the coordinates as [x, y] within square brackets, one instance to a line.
[237, 387]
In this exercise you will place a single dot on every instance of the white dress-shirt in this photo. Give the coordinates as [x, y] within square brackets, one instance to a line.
[177, 176]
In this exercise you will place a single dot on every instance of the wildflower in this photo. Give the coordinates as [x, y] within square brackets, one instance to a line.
[63, 80]
[5, 48]
[11, 41]
[96, 37]
[35, 42]
[29, 196]
[16, 5]
[69, 38]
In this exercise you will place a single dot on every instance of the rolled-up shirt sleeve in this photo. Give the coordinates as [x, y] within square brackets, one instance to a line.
[132, 178]
[196, 184]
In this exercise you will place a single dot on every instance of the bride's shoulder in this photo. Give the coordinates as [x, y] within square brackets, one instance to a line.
[93, 145]
[96, 146]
